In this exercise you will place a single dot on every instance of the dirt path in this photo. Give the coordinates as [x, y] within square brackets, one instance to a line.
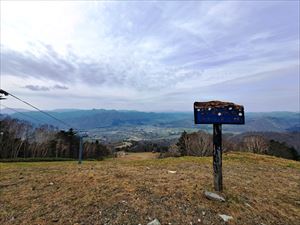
[139, 156]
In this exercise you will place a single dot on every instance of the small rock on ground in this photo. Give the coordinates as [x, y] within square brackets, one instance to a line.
[225, 217]
[214, 196]
[154, 222]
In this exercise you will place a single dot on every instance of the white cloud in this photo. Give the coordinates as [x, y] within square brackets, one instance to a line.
[142, 51]
[49, 22]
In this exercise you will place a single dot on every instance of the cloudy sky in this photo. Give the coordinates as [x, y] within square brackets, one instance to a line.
[151, 56]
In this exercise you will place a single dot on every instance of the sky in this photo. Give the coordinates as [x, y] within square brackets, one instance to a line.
[151, 56]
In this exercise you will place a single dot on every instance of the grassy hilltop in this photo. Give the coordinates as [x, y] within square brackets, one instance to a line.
[138, 188]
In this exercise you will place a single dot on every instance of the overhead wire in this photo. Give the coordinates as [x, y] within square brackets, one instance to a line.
[42, 111]
[21, 113]
[81, 136]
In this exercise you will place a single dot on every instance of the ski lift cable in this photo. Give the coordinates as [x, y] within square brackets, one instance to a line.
[42, 111]
[21, 113]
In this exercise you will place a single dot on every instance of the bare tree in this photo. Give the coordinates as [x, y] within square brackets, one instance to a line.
[195, 144]
[256, 144]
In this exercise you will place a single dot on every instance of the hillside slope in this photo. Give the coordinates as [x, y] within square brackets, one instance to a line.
[258, 190]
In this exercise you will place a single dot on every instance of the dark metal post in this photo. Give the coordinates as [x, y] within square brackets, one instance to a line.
[80, 150]
[217, 157]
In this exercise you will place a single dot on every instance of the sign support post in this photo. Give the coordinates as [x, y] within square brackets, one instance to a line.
[217, 157]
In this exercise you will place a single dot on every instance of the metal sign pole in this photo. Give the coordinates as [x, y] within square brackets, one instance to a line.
[80, 149]
[217, 157]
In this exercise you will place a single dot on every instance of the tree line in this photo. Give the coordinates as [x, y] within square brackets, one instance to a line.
[200, 144]
[21, 139]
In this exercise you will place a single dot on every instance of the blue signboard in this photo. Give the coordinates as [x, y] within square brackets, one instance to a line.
[216, 112]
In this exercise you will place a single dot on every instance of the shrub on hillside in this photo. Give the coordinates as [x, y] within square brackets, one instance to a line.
[173, 151]
[280, 149]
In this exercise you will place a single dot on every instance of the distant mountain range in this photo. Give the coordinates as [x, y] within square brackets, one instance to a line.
[9, 111]
[100, 118]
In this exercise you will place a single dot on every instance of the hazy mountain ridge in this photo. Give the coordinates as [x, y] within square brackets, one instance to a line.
[101, 118]
[9, 111]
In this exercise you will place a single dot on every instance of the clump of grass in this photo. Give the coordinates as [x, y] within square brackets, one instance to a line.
[291, 165]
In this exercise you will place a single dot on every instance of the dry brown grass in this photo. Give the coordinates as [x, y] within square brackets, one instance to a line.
[259, 190]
